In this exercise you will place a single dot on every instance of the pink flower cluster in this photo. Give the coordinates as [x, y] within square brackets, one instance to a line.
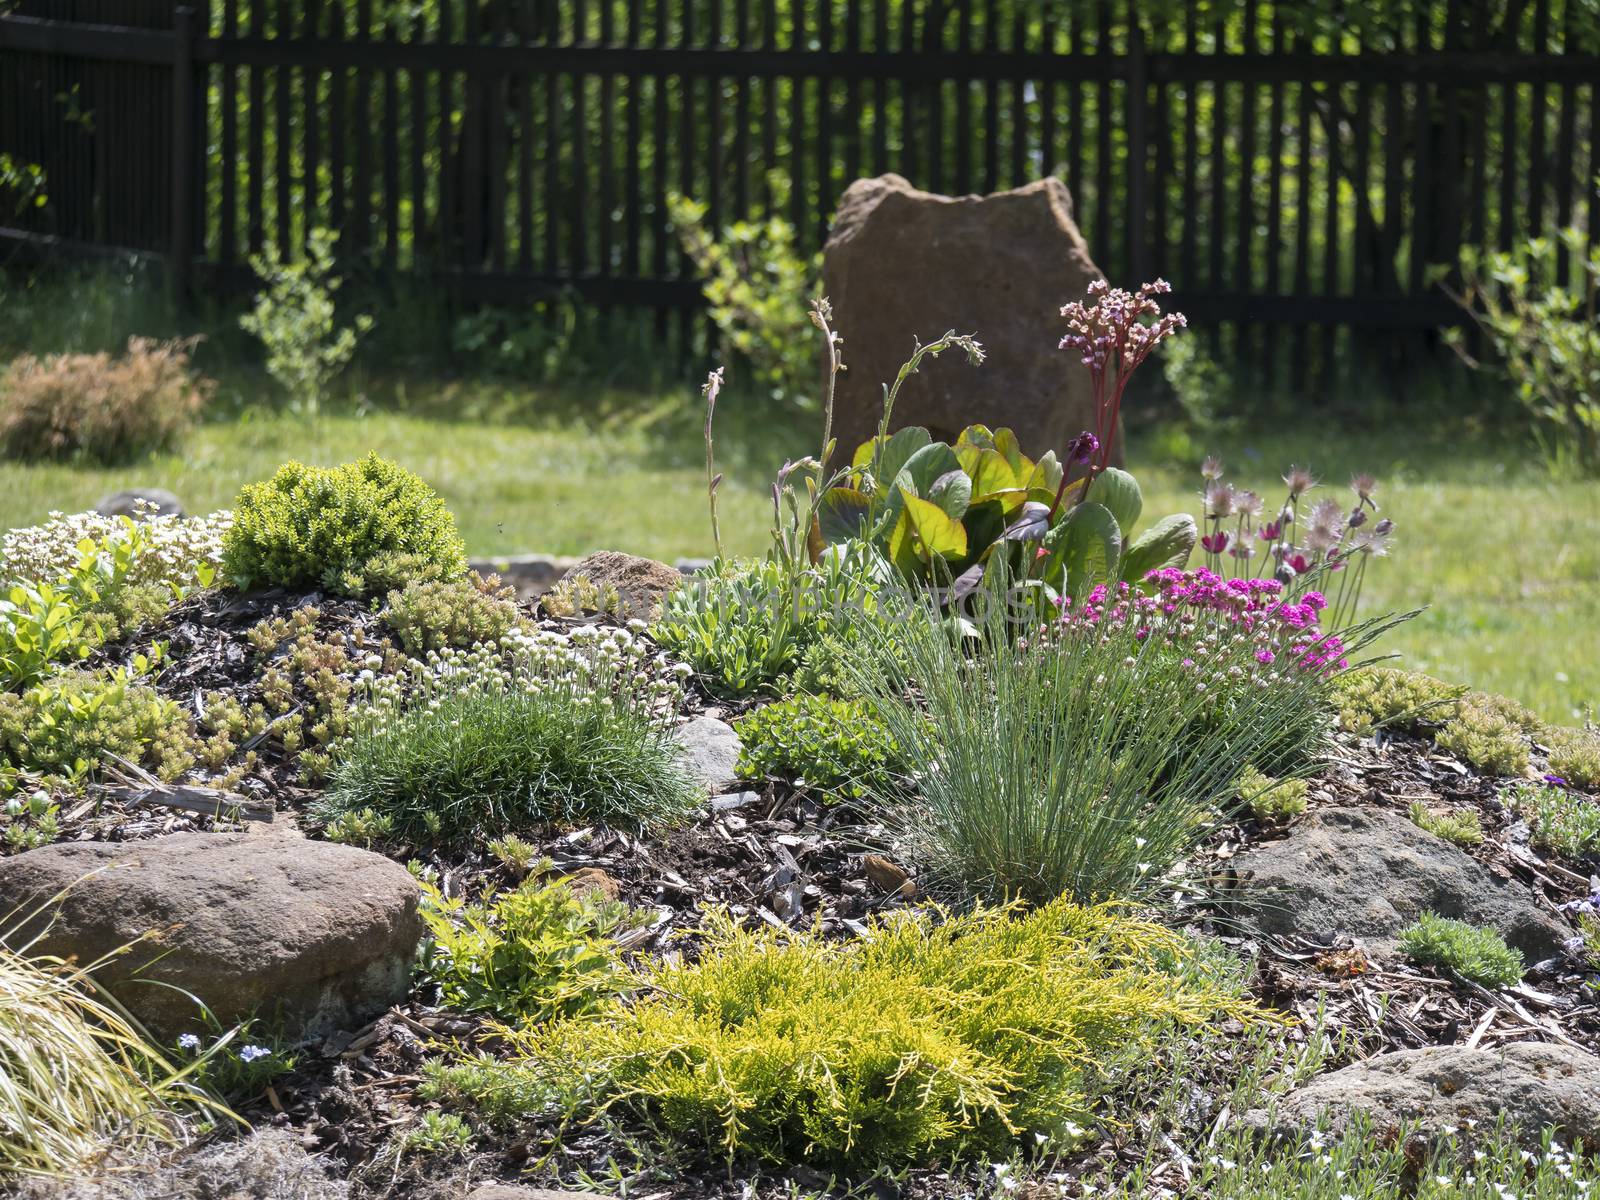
[1236, 629]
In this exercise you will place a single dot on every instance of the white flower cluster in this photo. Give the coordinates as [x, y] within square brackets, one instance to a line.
[609, 667]
[167, 549]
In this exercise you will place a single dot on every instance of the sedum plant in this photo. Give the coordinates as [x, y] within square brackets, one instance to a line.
[432, 614]
[1490, 732]
[295, 322]
[323, 527]
[1387, 698]
[1476, 954]
[928, 1038]
[837, 747]
[1270, 799]
[1562, 820]
[1462, 829]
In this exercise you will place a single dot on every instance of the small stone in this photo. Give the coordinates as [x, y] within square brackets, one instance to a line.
[888, 877]
[710, 751]
[311, 934]
[640, 582]
[1533, 1084]
[128, 503]
[733, 800]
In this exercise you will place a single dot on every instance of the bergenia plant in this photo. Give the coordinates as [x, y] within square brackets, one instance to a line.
[1299, 542]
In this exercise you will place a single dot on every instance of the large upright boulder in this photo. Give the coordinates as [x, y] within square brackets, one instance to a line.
[310, 935]
[902, 264]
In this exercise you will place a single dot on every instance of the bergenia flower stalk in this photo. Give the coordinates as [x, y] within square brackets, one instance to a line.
[1113, 332]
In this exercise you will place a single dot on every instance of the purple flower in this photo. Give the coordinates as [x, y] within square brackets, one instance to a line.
[251, 1053]
[188, 1041]
[1555, 780]
[1083, 447]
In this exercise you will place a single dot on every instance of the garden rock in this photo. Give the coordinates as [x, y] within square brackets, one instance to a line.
[710, 751]
[316, 935]
[640, 582]
[1533, 1084]
[127, 503]
[1368, 873]
[902, 264]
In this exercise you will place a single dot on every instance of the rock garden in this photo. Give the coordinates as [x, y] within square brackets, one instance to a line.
[988, 835]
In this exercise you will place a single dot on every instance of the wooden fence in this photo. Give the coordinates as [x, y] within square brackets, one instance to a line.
[1278, 170]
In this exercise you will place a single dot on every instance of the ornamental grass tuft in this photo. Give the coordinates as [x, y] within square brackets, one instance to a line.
[935, 1035]
[76, 1077]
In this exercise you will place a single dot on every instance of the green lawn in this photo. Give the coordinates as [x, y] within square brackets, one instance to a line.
[1507, 560]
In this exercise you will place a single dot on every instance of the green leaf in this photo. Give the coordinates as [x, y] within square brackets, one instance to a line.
[842, 514]
[897, 451]
[1119, 492]
[1083, 550]
[992, 477]
[926, 465]
[1167, 543]
[933, 530]
[952, 492]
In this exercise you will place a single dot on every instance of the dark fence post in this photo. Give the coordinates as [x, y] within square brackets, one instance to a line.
[181, 256]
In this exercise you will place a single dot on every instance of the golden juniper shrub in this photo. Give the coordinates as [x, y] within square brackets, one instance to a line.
[322, 527]
[1392, 699]
[1271, 799]
[432, 614]
[1460, 828]
[107, 409]
[1491, 733]
[934, 1035]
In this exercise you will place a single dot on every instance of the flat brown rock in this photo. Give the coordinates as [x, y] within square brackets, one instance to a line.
[311, 934]
[903, 264]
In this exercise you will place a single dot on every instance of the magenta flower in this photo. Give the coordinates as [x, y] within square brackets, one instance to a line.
[1215, 543]
[1082, 448]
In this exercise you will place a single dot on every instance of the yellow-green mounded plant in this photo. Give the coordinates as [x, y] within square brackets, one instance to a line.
[1388, 698]
[1458, 828]
[838, 747]
[1270, 799]
[537, 952]
[934, 1035]
[321, 527]
[1474, 953]
[75, 1074]
[430, 614]
[1490, 732]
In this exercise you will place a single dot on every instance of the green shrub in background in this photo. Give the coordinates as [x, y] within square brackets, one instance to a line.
[1546, 333]
[837, 747]
[1384, 697]
[295, 322]
[322, 527]
[96, 407]
[535, 953]
[930, 1038]
[1476, 954]
[431, 614]
[758, 286]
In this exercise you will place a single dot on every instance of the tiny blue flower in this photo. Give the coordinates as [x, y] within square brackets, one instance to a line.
[251, 1053]
[188, 1041]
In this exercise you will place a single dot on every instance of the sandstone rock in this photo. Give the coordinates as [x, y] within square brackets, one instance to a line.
[1369, 873]
[641, 582]
[902, 264]
[1533, 1084]
[710, 751]
[126, 503]
[313, 934]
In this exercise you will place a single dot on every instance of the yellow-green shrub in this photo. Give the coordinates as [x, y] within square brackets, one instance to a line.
[1575, 755]
[63, 727]
[1458, 828]
[431, 614]
[928, 1037]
